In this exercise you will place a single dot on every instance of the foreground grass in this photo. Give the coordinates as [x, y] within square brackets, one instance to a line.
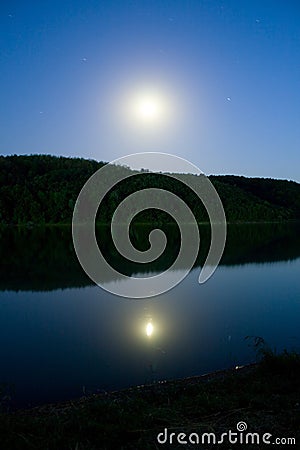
[266, 396]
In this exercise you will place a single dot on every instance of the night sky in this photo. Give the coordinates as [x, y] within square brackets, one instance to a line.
[224, 75]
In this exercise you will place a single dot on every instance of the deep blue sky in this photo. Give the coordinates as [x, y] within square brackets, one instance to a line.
[230, 71]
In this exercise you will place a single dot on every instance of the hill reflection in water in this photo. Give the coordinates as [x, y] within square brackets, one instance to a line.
[43, 258]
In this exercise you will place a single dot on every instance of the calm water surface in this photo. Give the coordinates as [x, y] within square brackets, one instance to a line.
[62, 336]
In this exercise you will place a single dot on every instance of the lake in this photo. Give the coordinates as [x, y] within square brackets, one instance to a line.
[63, 337]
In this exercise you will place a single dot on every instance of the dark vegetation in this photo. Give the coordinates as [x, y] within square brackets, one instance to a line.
[266, 396]
[42, 189]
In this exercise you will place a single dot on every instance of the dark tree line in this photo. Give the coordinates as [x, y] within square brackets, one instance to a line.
[42, 189]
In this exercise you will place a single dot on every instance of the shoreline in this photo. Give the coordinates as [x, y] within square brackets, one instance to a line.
[265, 396]
[132, 390]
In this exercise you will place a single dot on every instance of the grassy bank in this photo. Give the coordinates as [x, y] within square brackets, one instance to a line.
[265, 396]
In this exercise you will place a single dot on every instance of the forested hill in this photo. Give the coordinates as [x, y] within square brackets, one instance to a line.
[44, 188]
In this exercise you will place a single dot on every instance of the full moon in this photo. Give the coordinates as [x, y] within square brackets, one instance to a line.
[148, 108]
